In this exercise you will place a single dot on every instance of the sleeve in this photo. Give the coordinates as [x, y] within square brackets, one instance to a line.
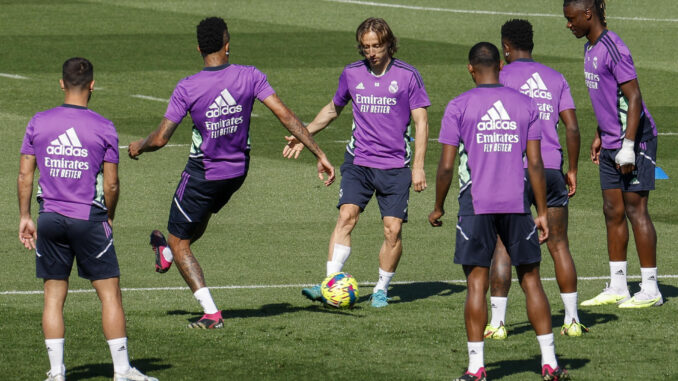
[342, 96]
[449, 126]
[533, 128]
[566, 102]
[262, 89]
[27, 147]
[111, 153]
[417, 92]
[623, 69]
[178, 105]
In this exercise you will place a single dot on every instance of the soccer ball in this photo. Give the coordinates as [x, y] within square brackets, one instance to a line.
[340, 290]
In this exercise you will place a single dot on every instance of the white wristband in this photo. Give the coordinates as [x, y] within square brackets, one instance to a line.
[626, 155]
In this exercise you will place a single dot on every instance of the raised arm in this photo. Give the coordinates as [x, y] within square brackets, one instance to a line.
[443, 182]
[573, 142]
[111, 189]
[154, 141]
[27, 231]
[326, 116]
[297, 129]
[420, 117]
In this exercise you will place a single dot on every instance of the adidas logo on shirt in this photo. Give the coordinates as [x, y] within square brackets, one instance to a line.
[67, 144]
[496, 118]
[360, 86]
[534, 87]
[224, 104]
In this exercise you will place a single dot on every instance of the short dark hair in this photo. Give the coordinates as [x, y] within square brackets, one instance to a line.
[77, 72]
[484, 54]
[383, 31]
[519, 34]
[598, 7]
[212, 35]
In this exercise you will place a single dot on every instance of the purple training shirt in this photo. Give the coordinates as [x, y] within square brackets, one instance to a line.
[381, 112]
[220, 101]
[551, 94]
[491, 125]
[607, 65]
[70, 144]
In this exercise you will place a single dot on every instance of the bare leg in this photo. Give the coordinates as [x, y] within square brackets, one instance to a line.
[348, 218]
[615, 222]
[635, 204]
[112, 313]
[538, 309]
[475, 308]
[500, 271]
[56, 291]
[559, 247]
[392, 248]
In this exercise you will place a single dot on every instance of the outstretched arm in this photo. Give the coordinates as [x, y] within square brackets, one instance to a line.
[154, 141]
[535, 168]
[27, 231]
[420, 117]
[443, 182]
[296, 128]
[573, 142]
[326, 115]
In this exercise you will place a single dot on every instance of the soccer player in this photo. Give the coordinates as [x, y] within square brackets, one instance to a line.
[625, 149]
[219, 99]
[76, 151]
[387, 95]
[492, 127]
[551, 93]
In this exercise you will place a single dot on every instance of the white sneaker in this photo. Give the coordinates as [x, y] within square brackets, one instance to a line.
[608, 296]
[133, 374]
[57, 377]
[643, 299]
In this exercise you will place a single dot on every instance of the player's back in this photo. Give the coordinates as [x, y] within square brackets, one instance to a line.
[220, 101]
[551, 94]
[70, 144]
[491, 124]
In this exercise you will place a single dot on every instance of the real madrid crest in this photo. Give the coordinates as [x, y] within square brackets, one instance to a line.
[393, 87]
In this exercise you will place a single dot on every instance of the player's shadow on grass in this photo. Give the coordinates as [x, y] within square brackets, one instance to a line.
[84, 372]
[264, 311]
[404, 293]
[501, 369]
[588, 318]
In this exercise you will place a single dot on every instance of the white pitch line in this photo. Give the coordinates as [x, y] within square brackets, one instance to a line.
[480, 12]
[13, 76]
[149, 98]
[167, 145]
[667, 133]
[262, 286]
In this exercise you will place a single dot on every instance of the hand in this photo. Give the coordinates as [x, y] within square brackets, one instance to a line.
[324, 166]
[134, 149]
[434, 217]
[626, 157]
[419, 179]
[542, 226]
[293, 147]
[571, 181]
[110, 222]
[595, 149]
[27, 233]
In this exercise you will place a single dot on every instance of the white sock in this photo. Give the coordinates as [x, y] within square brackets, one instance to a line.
[55, 352]
[167, 253]
[548, 350]
[498, 304]
[475, 355]
[384, 280]
[618, 276]
[340, 254]
[570, 304]
[649, 279]
[205, 298]
[118, 349]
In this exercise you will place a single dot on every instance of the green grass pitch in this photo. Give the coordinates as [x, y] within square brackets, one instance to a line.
[274, 232]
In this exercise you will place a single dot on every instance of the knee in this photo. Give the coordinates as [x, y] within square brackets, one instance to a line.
[347, 220]
[613, 212]
[392, 232]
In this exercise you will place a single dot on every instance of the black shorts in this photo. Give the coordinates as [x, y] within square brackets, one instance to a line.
[556, 188]
[392, 187]
[641, 179]
[197, 198]
[477, 238]
[63, 239]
